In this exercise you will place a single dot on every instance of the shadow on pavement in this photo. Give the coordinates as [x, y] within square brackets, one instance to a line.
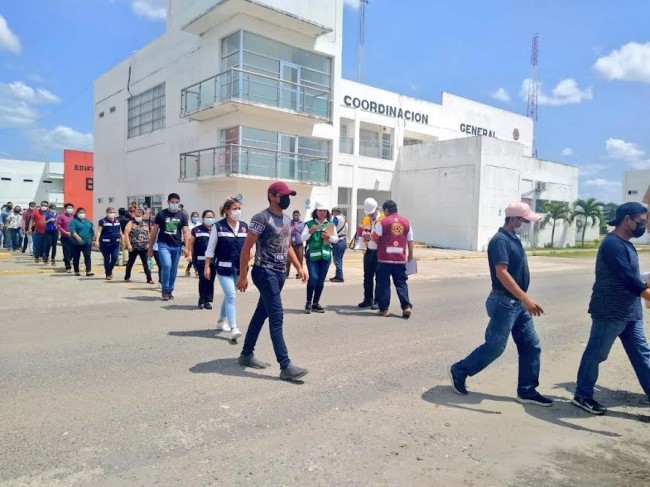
[143, 298]
[181, 307]
[562, 408]
[230, 367]
[209, 333]
[348, 310]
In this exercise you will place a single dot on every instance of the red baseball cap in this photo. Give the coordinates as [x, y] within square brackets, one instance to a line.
[281, 188]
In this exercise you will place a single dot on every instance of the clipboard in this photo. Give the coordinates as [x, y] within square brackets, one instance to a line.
[411, 267]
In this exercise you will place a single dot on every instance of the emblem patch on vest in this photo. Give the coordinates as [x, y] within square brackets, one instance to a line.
[396, 228]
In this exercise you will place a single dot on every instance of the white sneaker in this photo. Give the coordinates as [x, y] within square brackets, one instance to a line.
[235, 334]
[223, 326]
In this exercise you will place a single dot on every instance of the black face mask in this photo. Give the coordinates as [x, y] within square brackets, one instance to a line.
[640, 230]
[285, 202]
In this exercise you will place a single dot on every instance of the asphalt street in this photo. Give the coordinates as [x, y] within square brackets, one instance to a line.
[104, 384]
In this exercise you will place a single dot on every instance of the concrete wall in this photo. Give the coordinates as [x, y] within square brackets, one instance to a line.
[25, 181]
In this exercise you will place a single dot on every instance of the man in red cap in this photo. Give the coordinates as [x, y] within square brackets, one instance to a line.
[270, 231]
[510, 310]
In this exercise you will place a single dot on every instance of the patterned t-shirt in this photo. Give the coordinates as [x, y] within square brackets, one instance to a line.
[274, 236]
[171, 225]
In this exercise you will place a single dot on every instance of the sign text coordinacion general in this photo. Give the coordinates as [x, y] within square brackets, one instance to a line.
[388, 110]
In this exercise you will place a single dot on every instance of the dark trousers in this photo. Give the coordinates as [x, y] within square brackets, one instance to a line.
[77, 250]
[300, 253]
[67, 246]
[269, 283]
[111, 253]
[53, 239]
[398, 273]
[206, 286]
[369, 276]
[134, 254]
[317, 274]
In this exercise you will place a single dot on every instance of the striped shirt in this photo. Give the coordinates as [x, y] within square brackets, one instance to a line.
[618, 283]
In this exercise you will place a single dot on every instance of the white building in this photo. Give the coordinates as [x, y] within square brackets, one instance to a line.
[237, 93]
[636, 187]
[25, 181]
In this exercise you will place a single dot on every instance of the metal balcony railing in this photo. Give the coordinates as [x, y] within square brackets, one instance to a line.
[248, 87]
[253, 161]
[378, 150]
[346, 145]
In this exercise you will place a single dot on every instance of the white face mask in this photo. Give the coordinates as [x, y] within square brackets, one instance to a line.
[235, 214]
[523, 229]
[138, 219]
[81, 216]
[69, 211]
[43, 208]
[110, 215]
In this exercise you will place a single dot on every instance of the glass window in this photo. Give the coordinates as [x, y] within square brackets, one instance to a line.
[231, 44]
[146, 111]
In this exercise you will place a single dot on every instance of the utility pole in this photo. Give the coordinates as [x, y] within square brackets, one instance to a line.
[362, 38]
[533, 89]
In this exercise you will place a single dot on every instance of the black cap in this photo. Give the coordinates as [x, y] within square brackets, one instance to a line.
[627, 209]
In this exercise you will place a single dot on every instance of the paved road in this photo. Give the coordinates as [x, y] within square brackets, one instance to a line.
[103, 384]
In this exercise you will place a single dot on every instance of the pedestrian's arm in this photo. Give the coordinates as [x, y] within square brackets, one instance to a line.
[153, 235]
[189, 248]
[251, 238]
[511, 285]
[186, 239]
[293, 258]
[212, 246]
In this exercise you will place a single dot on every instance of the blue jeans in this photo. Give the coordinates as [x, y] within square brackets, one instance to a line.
[111, 253]
[270, 283]
[16, 238]
[229, 304]
[169, 257]
[398, 273]
[507, 316]
[602, 337]
[39, 244]
[317, 274]
[6, 233]
[338, 250]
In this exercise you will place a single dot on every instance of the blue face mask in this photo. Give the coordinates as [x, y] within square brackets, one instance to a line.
[209, 221]
[195, 219]
[173, 207]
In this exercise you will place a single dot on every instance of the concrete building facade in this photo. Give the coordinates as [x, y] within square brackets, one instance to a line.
[636, 187]
[237, 93]
[25, 181]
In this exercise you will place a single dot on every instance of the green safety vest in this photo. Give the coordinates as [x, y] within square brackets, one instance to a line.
[317, 249]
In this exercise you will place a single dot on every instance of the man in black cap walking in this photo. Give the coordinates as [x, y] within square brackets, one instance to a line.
[615, 306]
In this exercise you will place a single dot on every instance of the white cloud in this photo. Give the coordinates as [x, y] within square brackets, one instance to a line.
[627, 151]
[150, 9]
[502, 95]
[641, 165]
[355, 4]
[59, 138]
[18, 103]
[602, 189]
[8, 40]
[629, 63]
[592, 169]
[566, 92]
[567, 151]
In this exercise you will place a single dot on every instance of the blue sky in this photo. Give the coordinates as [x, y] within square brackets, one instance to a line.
[594, 69]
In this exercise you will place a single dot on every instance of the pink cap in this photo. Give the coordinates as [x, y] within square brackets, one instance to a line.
[281, 188]
[522, 210]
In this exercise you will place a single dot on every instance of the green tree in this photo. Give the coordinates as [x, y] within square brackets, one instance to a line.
[609, 213]
[589, 212]
[555, 211]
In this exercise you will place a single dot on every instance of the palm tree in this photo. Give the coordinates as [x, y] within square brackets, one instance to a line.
[589, 210]
[556, 210]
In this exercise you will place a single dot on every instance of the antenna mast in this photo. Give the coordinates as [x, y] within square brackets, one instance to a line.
[532, 91]
[362, 38]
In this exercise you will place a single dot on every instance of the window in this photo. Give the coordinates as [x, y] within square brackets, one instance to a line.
[409, 141]
[112, 110]
[633, 191]
[345, 201]
[6, 179]
[28, 180]
[147, 111]
[100, 200]
[47, 181]
[101, 114]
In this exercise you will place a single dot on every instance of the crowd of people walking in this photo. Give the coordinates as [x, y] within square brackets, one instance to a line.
[223, 250]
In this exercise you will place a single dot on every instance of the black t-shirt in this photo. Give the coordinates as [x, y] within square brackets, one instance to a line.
[124, 221]
[170, 231]
[506, 249]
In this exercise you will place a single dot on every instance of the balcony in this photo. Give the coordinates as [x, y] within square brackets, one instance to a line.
[236, 160]
[214, 13]
[346, 145]
[377, 150]
[237, 89]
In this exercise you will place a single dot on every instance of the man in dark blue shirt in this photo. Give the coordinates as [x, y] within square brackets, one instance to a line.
[509, 309]
[615, 306]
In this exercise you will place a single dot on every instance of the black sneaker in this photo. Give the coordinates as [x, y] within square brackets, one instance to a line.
[317, 308]
[201, 305]
[165, 296]
[292, 372]
[90, 274]
[308, 309]
[77, 274]
[374, 305]
[208, 305]
[457, 383]
[536, 399]
[588, 404]
[251, 361]
[336, 279]
[364, 305]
